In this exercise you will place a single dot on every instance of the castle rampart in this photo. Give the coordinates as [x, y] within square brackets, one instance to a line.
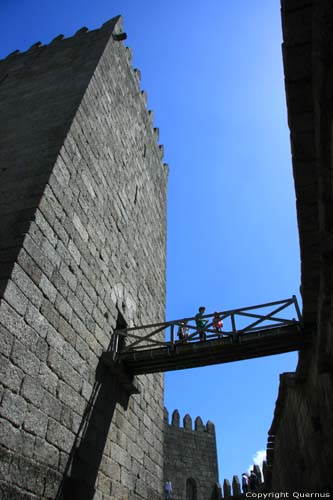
[302, 456]
[82, 232]
[190, 458]
[82, 252]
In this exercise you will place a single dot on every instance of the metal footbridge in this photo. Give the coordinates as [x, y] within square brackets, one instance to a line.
[247, 333]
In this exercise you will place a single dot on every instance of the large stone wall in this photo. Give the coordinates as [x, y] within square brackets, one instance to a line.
[190, 458]
[83, 229]
[302, 458]
[303, 437]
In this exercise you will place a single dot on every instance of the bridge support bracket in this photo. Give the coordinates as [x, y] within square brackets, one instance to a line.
[124, 378]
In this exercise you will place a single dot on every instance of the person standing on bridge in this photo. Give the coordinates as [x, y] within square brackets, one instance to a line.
[183, 331]
[217, 323]
[201, 323]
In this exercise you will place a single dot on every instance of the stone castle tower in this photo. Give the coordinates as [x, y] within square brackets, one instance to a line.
[190, 458]
[82, 251]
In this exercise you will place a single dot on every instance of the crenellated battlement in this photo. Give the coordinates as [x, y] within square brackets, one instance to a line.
[113, 27]
[190, 454]
[234, 489]
[187, 422]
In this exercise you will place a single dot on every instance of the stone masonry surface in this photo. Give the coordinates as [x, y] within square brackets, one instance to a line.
[190, 456]
[82, 246]
[302, 455]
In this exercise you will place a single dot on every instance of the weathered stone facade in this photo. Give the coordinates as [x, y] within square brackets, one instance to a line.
[82, 249]
[302, 458]
[190, 458]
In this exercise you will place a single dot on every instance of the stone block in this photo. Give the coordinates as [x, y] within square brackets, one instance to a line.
[36, 234]
[25, 359]
[41, 349]
[16, 326]
[48, 289]
[61, 172]
[80, 228]
[35, 421]
[52, 254]
[13, 408]
[76, 306]
[37, 321]
[50, 313]
[136, 452]
[46, 453]
[70, 419]
[83, 348]
[63, 370]
[45, 227]
[5, 341]
[34, 261]
[67, 331]
[59, 282]
[59, 436]
[61, 233]
[118, 455]
[32, 391]
[27, 445]
[52, 481]
[48, 378]
[27, 286]
[51, 406]
[57, 344]
[73, 358]
[104, 484]
[71, 398]
[27, 475]
[63, 306]
[15, 298]
[10, 375]
[46, 209]
[74, 251]
[68, 275]
[5, 458]
[10, 436]
[54, 204]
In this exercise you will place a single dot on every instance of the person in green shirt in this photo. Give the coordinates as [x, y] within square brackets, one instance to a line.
[201, 323]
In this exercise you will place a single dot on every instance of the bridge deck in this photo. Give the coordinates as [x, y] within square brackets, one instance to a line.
[154, 348]
[210, 352]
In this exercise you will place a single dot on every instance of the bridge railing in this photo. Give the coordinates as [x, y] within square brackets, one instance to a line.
[236, 324]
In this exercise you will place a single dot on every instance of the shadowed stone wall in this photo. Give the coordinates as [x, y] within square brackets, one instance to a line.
[302, 459]
[190, 457]
[82, 247]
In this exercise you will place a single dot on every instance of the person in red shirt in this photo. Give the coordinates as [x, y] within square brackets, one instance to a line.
[217, 323]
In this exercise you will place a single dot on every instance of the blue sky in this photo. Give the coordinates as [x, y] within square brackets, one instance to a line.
[214, 78]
